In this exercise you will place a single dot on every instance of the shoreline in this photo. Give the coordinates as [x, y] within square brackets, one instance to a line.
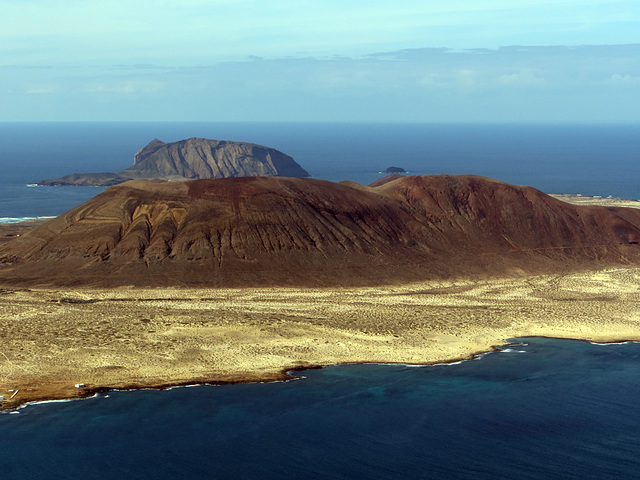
[287, 377]
[126, 338]
[129, 338]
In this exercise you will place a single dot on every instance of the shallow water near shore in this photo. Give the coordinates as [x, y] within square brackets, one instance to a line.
[544, 408]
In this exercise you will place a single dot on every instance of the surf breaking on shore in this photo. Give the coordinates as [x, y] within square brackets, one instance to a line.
[6, 220]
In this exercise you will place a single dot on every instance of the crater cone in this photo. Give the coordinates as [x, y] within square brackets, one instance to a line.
[266, 231]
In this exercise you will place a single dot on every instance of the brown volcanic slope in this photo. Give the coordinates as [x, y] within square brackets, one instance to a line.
[286, 231]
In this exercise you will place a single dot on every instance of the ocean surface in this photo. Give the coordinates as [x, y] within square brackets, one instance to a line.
[540, 409]
[536, 409]
[589, 160]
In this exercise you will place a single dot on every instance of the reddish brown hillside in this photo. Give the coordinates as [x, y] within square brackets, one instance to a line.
[517, 226]
[286, 231]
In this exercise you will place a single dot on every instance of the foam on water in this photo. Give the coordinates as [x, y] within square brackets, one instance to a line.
[62, 400]
[6, 220]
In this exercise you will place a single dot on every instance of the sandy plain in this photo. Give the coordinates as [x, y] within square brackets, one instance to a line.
[125, 338]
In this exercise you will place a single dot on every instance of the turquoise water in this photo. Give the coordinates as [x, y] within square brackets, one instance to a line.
[541, 409]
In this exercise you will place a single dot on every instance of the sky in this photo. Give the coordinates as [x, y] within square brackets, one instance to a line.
[467, 61]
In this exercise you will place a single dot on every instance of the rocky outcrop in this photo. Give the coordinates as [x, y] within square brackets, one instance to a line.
[194, 159]
[394, 170]
[263, 231]
[87, 180]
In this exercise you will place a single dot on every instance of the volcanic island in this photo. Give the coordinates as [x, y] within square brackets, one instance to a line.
[157, 283]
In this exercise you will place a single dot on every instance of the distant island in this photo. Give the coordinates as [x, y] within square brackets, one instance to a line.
[193, 159]
[392, 170]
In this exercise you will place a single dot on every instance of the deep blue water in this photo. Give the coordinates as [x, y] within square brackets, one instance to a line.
[591, 160]
[545, 409]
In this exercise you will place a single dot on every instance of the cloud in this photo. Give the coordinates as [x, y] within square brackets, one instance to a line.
[42, 89]
[625, 79]
[522, 78]
[124, 87]
[204, 31]
[433, 84]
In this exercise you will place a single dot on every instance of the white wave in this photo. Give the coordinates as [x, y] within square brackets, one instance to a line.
[62, 400]
[480, 355]
[6, 220]
[447, 364]
[187, 386]
[612, 343]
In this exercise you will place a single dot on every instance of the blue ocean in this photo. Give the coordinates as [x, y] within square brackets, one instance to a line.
[586, 159]
[536, 409]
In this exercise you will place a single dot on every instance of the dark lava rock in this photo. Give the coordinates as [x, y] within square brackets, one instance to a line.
[394, 170]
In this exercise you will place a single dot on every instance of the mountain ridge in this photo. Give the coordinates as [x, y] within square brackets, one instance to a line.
[263, 231]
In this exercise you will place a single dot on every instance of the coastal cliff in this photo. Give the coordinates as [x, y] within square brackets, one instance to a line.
[193, 159]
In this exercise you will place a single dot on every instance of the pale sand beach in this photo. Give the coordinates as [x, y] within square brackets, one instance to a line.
[51, 340]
